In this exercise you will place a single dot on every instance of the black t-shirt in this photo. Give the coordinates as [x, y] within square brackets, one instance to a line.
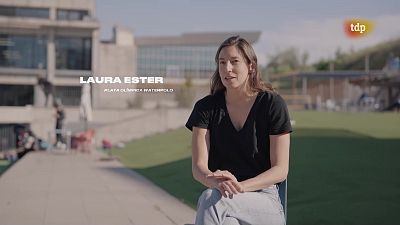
[245, 153]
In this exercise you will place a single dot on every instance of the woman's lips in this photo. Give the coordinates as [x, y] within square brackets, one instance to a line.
[229, 78]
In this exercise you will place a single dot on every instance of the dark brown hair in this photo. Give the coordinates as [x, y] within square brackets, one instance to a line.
[255, 81]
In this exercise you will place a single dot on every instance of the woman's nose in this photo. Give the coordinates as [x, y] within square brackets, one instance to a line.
[228, 66]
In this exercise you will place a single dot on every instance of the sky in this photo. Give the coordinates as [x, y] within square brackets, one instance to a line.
[314, 26]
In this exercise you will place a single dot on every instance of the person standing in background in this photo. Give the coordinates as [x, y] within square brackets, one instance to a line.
[60, 116]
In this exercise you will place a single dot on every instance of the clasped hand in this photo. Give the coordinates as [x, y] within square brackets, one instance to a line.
[226, 183]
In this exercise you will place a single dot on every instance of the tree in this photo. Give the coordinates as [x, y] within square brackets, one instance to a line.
[185, 95]
[287, 60]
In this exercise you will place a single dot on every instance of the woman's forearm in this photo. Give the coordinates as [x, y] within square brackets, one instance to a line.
[200, 174]
[272, 176]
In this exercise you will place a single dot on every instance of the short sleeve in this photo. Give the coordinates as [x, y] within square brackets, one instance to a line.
[279, 116]
[200, 116]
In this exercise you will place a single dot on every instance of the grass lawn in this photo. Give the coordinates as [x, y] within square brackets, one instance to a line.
[343, 167]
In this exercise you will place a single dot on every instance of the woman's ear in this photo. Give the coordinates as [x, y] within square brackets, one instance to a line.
[251, 68]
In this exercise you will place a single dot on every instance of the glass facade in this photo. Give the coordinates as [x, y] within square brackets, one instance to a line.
[66, 14]
[24, 12]
[73, 53]
[8, 137]
[23, 51]
[69, 95]
[176, 61]
[16, 95]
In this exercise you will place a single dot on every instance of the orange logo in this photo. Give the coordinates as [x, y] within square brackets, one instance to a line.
[355, 28]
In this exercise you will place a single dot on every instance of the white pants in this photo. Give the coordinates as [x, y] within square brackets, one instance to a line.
[250, 208]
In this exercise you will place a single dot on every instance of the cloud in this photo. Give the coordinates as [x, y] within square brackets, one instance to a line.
[321, 38]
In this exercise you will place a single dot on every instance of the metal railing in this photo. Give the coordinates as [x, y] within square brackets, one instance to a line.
[7, 137]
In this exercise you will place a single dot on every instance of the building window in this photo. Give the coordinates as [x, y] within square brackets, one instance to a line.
[24, 12]
[66, 14]
[16, 95]
[196, 60]
[73, 53]
[69, 95]
[23, 51]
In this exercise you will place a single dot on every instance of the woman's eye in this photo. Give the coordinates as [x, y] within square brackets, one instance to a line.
[221, 62]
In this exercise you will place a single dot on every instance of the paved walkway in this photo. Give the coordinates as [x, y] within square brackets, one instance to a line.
[64, 188]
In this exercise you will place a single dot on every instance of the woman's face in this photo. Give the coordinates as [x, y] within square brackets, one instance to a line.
[232, 67]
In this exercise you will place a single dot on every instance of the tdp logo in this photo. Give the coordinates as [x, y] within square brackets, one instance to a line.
[355, 28]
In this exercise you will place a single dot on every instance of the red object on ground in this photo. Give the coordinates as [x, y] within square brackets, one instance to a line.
[85, 140]
[106, 144]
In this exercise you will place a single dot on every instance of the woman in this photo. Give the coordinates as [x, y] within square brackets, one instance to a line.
[240, 142]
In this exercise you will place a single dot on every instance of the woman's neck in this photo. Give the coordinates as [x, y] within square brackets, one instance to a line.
[237, 96]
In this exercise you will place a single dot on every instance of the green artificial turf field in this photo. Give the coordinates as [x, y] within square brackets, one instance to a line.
[3, 166]
[343, 167]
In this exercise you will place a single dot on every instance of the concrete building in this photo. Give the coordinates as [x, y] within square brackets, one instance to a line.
[117, 59]
[191, 54]
[57, 40]
[54, 39]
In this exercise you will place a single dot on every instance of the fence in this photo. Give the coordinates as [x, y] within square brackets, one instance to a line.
[7, 137]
